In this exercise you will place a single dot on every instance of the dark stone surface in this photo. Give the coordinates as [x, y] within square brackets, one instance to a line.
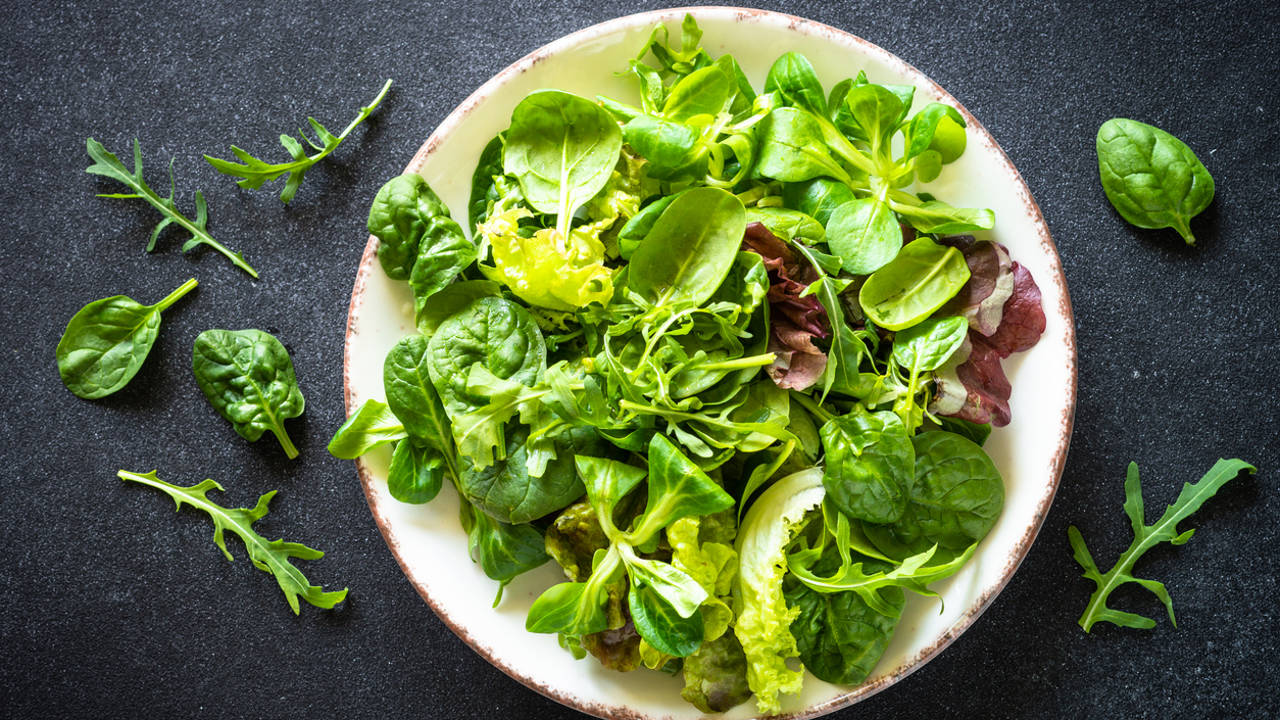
[117, 607]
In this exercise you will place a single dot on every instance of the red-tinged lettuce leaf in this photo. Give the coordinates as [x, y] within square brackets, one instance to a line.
[991, 283]
[794, 321]
[1024, 319]
[981, 381]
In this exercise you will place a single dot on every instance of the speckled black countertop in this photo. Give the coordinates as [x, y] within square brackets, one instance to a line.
[114, 606]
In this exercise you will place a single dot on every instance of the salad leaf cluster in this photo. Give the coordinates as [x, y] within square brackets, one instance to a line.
[707, 351]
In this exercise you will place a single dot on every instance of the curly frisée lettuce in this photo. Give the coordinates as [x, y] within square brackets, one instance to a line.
[698, 304]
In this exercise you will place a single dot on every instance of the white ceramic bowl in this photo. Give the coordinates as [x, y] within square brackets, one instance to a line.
[427, 539]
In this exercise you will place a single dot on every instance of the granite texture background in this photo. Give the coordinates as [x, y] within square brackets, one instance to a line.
[114, 606]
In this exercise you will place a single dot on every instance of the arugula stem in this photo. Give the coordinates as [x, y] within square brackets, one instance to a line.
[196, 231]
[174, 296]
[741, 363]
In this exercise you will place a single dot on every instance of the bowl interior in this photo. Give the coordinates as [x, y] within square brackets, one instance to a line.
[428, 540]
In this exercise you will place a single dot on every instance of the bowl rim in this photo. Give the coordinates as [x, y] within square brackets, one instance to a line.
[808, 28]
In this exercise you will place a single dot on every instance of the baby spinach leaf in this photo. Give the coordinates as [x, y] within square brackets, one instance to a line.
[840, 637]
[271, 556]
[414, 228]
[508, 492]
[1145, 537]
[248, 377]
[451, 300]
[865, 234]
[923, 277]
[929, 344]
[956, 498]
[977, 432]
[690, 248]
[107, 340]
[416, 473]
[487, 167]
[371, 425]
[255, 172]
[502, 550]
[411, 396]
[638, 227]
[870, 465]
[493, 332]
[108, 165]
[660, 625]
[561, 148]
[1151, 177]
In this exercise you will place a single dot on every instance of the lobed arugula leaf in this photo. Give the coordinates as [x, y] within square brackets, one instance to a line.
[255, 172]
[270, 556]
[1145, 537]
[108, 165]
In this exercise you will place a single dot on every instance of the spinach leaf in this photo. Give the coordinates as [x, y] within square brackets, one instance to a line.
[638, 227]
[107, 340]
[929, 344]
[923, 277]
[508, 492]
[248, 377]
[956, 498]
[1145, 537]
[819, 197]
[255, 172]
[451, 300]
[493, 332]
[487, 167]
[870, 465]
[414, 228]
[412, 397]
[661, 625]
[865, 234]
[977, 432]
[108, 165]
[561, 148]
[416, 473]
[503, 550]
[690, 248]
[840, 637]
[371, 425]
[1151, 177]
[271, 556]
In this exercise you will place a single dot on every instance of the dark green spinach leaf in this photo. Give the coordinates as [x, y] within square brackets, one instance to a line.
[248, 377]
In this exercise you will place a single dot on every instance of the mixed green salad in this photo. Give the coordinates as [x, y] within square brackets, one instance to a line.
[706, 351]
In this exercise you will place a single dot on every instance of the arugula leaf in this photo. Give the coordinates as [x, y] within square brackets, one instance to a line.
[107, 164]
[1146, 537]
[255, 172]
[271, 556]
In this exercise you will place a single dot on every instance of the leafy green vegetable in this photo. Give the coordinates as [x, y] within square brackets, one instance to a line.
[1151, 177]
[108, 165]
[545, 268]
[417, 239]
[492, 332]
[921, 279]
[763, 617]
[416, 474]
[1145, 537]
[248, 377]
[956, 498]
[561, 148]
[255, 172]
[690, 248]
[715, 675]
[502, 550]
[510, 492]
[371, 425]
[840, 637]
[865, 234]
[106, 342]
[271, 556]
[412, 398]
[870, 465]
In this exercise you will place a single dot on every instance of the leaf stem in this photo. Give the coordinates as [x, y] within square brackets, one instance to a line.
[289, 450]
[174, 296]
[808, 404]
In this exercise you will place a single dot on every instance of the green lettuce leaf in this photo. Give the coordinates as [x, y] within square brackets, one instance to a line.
[547, 269]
